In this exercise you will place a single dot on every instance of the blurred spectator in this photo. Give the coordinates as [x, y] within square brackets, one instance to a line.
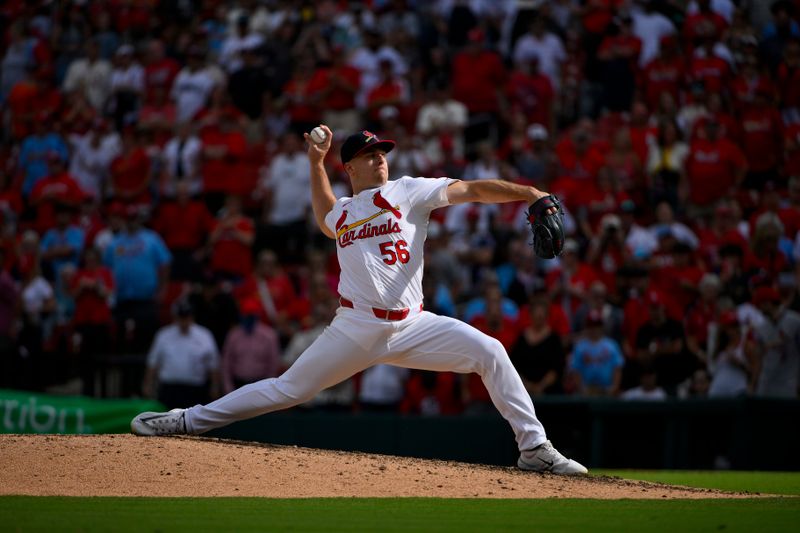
[184, 224]
[283, 188]
[9, 309]
[248, 84]
[339, 397]
[183, 363]
[90, 76]
[647, 390]
[659, 342]
[714, 168]
[230, 56]
[251, 351]
[230, 240]
[619, 55]
[37, 150]
[131, 171]
[652, 28]
[569, 282]
[193, 85]
[530, 93]
[92, 287]
[224, 149]
[55, 190]
[18, 58]
[214, 306]
[92, 154]
[545, 47]
[596, 361]
[127, 87]
[733, 362]
[665, 224]
[367, 59]
[140, 263]
[272, 287]
[538, 353]
[778, 342]
[700, 316]
[38, 308]
[478, 77]
[432, 393]
[391, 90]
[597, 301]
[340, 82]
[159, 70]
[300, 99]
[181, 162]
[666, 166]
[382, 388]
[61, 245]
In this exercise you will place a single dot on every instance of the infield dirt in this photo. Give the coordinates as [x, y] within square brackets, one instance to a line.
[125, 465]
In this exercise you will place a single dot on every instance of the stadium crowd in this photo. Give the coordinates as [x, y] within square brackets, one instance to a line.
[155, 206]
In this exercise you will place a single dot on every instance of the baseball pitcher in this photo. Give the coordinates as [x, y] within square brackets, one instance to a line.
[379, 234]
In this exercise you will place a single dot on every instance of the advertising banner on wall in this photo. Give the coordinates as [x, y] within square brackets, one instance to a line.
[26, 412]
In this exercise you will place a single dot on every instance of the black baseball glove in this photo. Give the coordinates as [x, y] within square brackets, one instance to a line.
[547, 228]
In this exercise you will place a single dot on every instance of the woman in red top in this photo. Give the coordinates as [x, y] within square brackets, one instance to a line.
[131, 171]
[92, 287]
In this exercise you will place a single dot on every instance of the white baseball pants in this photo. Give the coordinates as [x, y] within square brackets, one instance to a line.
[356, 340]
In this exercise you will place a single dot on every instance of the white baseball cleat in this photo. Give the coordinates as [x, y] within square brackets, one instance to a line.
[545, 458]
[149, 424]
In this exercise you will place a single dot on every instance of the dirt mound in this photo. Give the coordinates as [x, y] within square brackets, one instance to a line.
[124, 465]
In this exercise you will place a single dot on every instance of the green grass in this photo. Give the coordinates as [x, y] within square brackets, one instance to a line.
[764, 482]
[21, 513]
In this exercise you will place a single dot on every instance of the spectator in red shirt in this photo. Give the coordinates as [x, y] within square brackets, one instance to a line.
[722, 231]
[580, 160]
[703, 24]
[709, 68]
[569, 282]
[159, 70]
[131, 171]
[530, 93]
[224, 149]
[715, 167]
[765, 259]
[478, 78]
[57, 189]
[664, 74]
[301, 99]
[340, 82]
[392, 90]
[92, 287]
[31, 97]
[184, 225]
[273, 289]
[761, 139]
[432, 393]
[619, 58]
[230, 241]
[750, 80]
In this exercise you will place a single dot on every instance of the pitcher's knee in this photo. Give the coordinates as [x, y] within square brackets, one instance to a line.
[492, 352]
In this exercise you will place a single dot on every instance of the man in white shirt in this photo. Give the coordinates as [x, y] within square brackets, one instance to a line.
[192, 87]
[650, 26]
[183, 362]
[92, 154]
[544, 46]
[91, 76]
[284, 188]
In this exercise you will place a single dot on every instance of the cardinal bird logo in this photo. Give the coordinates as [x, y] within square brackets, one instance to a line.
[340, 223]
[381, 202]
[369, 135]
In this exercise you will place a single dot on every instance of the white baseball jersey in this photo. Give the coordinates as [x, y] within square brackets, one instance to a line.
[380, 234]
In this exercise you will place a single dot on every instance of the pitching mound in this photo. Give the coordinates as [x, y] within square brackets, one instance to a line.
[124, 465]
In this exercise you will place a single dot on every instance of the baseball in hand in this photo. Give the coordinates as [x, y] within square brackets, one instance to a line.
[318, 135]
